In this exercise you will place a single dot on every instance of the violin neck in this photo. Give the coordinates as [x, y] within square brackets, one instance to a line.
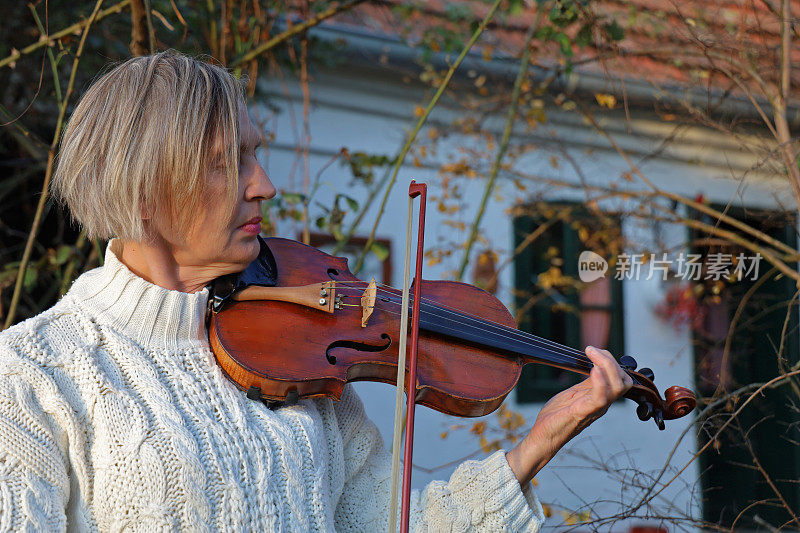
[515, 343]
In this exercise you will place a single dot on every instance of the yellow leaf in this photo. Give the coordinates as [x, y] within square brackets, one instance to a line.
[478, 428]
[606, 100]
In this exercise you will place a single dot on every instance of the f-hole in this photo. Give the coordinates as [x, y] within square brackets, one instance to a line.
[333, 273]
[360, 346]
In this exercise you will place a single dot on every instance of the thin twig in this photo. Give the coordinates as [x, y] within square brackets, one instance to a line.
[778, 245]
[294, 30]
[767, 385]
[23, 266]
[501, 151]
[50, 56]
[69, 30]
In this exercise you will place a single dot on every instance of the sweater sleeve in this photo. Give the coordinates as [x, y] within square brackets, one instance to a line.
[479, 496]
[34, 482]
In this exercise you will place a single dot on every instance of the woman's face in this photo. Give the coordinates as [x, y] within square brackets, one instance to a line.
[215, 245]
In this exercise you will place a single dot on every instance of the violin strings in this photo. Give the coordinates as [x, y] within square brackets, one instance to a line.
[579, 364]
[496, 329]
[583, 363]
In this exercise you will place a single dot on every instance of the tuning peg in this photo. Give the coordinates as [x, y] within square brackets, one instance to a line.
[659, 420]
[648, 373]
[627, 362]
[644, 411]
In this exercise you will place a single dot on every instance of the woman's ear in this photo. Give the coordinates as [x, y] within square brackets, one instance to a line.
[146, 211]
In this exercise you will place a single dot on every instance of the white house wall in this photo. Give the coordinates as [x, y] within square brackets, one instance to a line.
[369, 113]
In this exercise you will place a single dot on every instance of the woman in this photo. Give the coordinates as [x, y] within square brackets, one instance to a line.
[113, 413]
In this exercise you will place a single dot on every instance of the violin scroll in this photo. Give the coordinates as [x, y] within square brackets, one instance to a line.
[680, 401]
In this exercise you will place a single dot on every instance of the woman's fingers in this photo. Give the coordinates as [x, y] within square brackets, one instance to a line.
[617, 380]
[600, 386]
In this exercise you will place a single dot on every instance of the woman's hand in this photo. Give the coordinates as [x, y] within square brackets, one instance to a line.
[568, 413]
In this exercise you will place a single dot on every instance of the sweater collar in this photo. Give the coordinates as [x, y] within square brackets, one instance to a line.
[149, 314]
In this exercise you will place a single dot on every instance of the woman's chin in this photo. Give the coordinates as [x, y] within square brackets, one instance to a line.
[247, 251]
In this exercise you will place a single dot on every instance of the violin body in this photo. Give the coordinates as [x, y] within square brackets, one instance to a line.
[279, 346]
[279, 349]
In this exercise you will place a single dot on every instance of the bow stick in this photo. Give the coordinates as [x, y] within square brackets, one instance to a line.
[414, 189]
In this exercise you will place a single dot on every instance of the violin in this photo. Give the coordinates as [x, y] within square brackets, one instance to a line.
[298, 324]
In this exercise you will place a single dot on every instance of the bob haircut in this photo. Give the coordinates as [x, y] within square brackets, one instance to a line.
[140, 142]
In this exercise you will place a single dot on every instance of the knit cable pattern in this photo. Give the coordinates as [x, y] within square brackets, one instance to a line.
[114, 415]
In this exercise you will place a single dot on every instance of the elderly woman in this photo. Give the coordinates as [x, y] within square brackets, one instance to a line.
[113, 413]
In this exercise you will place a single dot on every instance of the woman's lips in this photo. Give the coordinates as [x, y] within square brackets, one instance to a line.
[252, 226]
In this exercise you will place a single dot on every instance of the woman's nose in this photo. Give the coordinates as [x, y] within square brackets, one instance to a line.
[260, 186]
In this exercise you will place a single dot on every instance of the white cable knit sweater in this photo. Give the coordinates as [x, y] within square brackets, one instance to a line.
[114, 415]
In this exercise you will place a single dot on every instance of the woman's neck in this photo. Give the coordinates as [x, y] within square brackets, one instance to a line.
[162, 266]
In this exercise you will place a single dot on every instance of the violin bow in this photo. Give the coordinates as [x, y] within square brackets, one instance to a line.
[414, 189]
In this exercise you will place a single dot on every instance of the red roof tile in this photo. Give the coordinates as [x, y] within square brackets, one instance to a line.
[683, 43]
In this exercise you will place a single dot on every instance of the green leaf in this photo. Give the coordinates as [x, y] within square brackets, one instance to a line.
[564, 42]
[380, 250]
[28, 282]
[544, 33]
[351, 202]
[615, 31]
[63, 254]
[293, 198]
[563, 13]
[584, 36]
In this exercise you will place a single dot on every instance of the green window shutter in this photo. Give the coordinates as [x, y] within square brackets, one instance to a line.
[735, 491]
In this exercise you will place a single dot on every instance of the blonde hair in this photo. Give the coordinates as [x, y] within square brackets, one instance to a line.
[141, 139]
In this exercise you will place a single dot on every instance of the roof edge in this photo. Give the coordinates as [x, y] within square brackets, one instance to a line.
[384, 52]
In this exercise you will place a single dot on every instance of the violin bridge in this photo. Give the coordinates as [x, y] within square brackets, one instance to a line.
[320, 296]
[368, 302]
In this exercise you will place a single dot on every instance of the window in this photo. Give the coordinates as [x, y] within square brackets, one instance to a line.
[735, 491]
[376, 267]
[551, 301]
